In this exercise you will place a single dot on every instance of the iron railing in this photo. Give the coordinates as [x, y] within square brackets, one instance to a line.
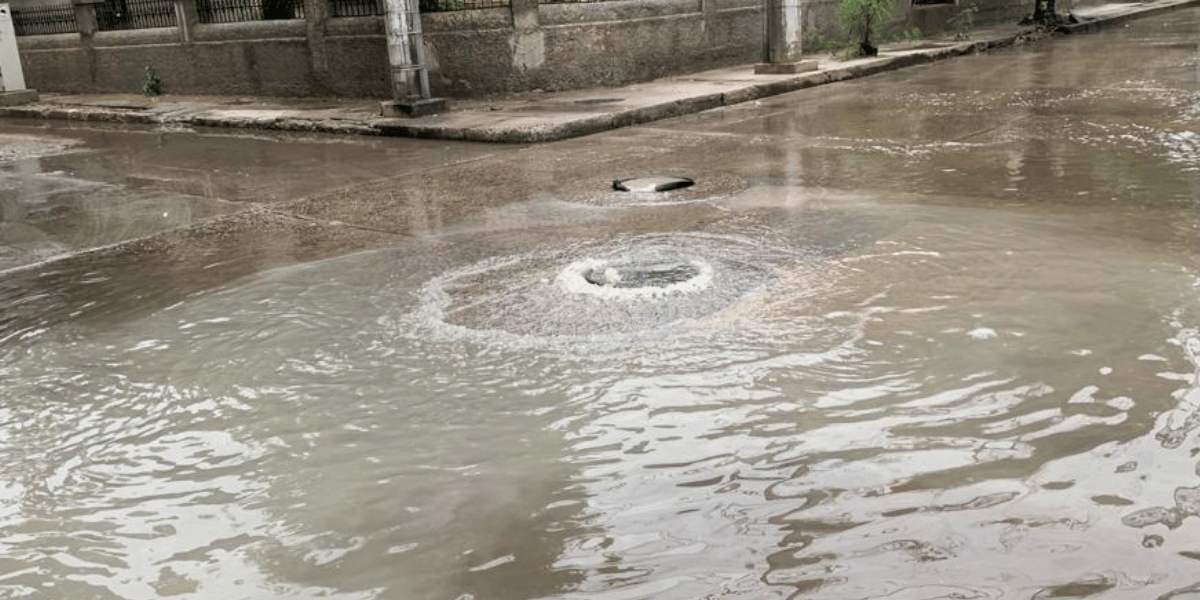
[356, 8]
[429, 6]
[142, 14]
[44, 20]
[371, 8]
[135, 14]
[236, 11]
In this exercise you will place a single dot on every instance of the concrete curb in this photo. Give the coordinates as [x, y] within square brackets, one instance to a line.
[675, 108]
[1096, 24]
[512, 126]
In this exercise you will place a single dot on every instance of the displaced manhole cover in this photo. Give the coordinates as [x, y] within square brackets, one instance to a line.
[652, 187]
[652, 184]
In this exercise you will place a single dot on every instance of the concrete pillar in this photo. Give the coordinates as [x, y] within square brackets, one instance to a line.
[316, 20]
[88, 25]
[186, 17]
[708, 12]
[85, 18]
[406, 63]
[403, 63]
[783, 28]
[529, 41]
[12, 78]
[525, 14]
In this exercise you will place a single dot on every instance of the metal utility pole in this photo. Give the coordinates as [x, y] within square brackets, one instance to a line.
[783, 25]
[406, 59]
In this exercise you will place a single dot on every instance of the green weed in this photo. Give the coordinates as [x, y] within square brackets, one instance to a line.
[151, 82]
[861, 19]
[964, 20]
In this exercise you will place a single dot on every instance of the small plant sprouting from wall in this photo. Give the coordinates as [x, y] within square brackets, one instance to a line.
[151, 82]
[910, 35]
[964, 21]
[862, 18]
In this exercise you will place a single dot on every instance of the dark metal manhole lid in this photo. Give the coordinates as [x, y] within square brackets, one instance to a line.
[655, 186]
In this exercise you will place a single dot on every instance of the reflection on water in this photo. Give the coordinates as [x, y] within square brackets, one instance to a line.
[982, 398]
[967, 369]
[66, 188]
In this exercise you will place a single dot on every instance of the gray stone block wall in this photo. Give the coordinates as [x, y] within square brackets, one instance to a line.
[471, 53]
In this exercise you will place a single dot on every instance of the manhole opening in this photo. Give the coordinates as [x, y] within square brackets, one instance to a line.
[642, 276]
[664, 183]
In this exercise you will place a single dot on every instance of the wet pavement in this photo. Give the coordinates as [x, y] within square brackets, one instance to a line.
[67, 188]
[540, 117]
[931, 334]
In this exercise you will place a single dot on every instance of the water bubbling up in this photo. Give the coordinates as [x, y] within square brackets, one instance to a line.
[623, 285]
[635, 281]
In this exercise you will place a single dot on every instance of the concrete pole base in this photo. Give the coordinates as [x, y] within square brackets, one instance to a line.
[409, 109]
[788, 68]
[17, 97]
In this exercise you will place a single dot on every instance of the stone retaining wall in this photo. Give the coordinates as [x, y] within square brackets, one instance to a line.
[523, 47]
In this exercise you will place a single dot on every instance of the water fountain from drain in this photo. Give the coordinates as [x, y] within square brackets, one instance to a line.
[638, 280]
[614, 285]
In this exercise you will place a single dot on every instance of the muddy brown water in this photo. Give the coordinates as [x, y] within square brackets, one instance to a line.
[942, 341]
[69, 187]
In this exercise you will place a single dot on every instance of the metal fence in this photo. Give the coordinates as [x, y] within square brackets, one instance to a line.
[428, 6]
[236, 11]
[44, 20]
[135, 14]
[142, 14]
[371, 8]
[356, 8]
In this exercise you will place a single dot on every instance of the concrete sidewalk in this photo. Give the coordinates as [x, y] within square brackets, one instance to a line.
[540, 117]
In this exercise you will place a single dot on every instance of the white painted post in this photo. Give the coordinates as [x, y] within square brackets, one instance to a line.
[11, 77]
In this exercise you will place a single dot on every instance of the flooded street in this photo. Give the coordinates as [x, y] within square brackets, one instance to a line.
[931, 334]
[67, 187]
